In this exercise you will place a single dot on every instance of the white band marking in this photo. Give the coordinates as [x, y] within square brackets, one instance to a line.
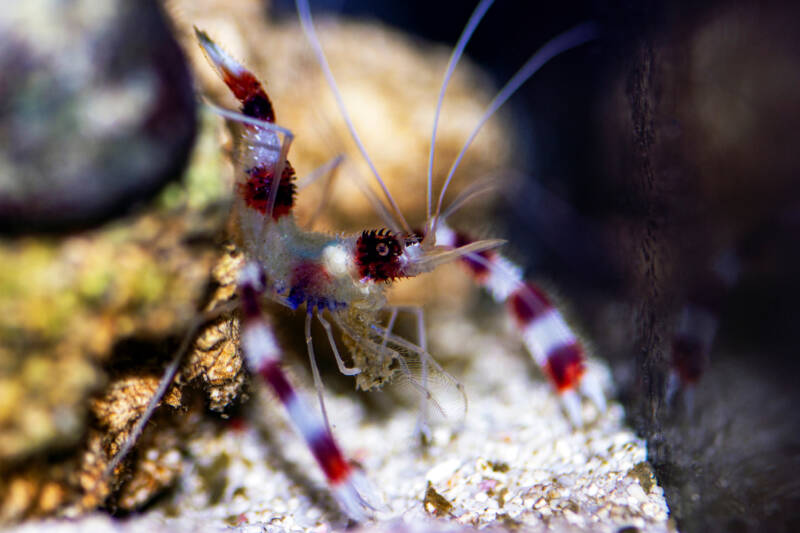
[545, 334]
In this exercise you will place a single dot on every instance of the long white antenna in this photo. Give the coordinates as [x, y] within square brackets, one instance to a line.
[304, 13]
[561, 43]
[240, 117]
[458, 50]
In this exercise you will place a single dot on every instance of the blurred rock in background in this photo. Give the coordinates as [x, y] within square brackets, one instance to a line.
[97, 113]
[96, 110]
[713, 171]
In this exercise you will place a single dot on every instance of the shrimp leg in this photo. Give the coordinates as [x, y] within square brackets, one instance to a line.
[262, 355]
[545, 333]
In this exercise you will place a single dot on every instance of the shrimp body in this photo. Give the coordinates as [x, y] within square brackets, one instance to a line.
[312, 268]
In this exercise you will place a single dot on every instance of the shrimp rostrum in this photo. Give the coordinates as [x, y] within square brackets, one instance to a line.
[343, 278]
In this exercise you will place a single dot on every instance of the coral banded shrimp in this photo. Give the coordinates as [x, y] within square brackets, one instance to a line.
[344, 277]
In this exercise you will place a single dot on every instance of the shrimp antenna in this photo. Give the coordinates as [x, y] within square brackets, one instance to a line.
[458, 50]
[559, 44]
[474, 189]
[304, 13]
[240, 117]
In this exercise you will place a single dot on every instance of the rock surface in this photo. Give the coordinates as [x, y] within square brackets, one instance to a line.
[512, 461]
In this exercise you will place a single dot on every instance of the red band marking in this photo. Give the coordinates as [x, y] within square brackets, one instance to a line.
[688, 358]
[528, 303]
[309, 274]
[330, 459]
[274, 376]
[565, 366]
[247, 89]
[250, 307]
[256, 190]
[237, 424]
[479, 270]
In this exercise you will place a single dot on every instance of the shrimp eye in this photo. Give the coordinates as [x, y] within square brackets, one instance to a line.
[378, 255]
